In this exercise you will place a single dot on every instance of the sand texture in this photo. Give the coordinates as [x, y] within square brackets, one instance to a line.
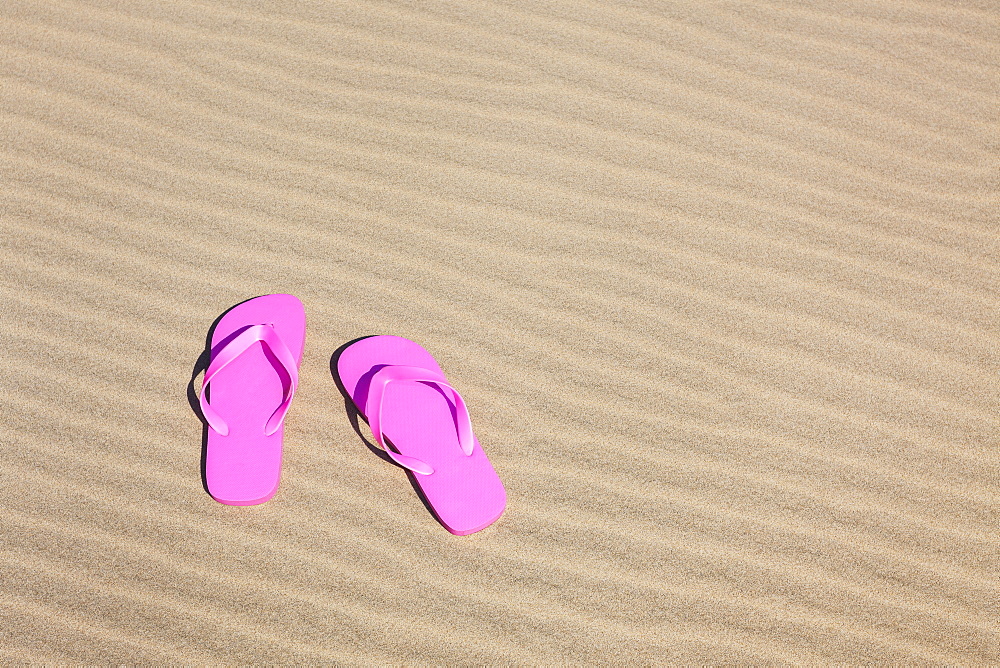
[720, 283]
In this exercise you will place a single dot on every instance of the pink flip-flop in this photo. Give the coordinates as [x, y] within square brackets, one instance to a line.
[402, 393]
[248, 387]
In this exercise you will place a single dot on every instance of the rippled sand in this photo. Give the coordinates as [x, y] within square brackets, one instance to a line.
[719, 284]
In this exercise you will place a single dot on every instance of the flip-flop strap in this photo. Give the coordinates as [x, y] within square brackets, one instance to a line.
[373, 410]
[267, 335]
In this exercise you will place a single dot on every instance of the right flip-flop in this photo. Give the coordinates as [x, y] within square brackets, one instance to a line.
[423, 425]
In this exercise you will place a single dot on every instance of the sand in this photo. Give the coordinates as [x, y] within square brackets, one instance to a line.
[719, 283]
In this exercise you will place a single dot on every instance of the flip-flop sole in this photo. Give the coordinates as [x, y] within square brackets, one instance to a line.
[244, 467]
[464, 492]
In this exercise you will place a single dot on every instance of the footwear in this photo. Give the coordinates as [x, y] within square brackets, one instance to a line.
[403, 395]
[248, 387]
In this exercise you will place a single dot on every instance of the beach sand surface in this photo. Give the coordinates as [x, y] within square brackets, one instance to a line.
[718, 281]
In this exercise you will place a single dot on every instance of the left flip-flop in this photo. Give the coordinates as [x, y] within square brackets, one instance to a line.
[249, 384]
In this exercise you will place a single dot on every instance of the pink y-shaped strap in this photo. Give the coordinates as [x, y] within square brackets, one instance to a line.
[239, 345]
[373, 410]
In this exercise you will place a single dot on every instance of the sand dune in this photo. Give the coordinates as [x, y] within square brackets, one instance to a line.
[719, 284]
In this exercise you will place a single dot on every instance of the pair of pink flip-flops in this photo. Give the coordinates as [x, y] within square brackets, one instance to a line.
[417, 417]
